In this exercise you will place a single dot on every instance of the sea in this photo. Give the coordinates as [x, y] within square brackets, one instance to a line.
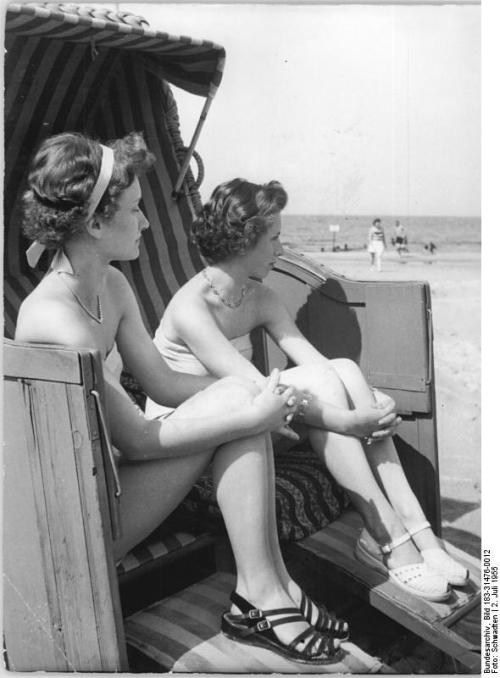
[314, 233]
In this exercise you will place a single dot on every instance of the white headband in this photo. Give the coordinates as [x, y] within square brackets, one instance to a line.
[36, 249]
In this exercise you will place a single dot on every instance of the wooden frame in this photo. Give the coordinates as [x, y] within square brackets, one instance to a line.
[60, 583]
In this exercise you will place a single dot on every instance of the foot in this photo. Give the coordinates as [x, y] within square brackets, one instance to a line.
[436, 557]
[415, 578]
[279, 627]
[317, 615]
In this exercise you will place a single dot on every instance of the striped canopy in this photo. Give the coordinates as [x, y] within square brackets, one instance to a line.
[105, 74]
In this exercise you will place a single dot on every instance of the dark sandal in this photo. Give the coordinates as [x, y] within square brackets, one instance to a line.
[325, 622]
[254, 627]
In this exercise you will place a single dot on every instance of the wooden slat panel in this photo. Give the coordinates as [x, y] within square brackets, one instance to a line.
[97, 528]
[27, 600]
[27, 361]
[63, 611]
[55, 445]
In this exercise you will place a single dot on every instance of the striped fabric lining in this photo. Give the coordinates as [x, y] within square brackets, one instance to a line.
[154, 548]
[56, 85]
[193, 65]
[182, 633]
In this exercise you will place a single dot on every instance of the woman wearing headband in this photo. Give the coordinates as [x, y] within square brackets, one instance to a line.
[83, 201]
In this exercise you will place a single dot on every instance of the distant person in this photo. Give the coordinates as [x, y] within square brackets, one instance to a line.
[376, 243]
[430, 247]
[401, 240]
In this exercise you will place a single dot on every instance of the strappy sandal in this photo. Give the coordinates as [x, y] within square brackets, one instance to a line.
[254, 627]
[441, 562]
[415, 578]
[325, 622]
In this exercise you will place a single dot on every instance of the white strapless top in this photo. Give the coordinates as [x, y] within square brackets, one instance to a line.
[114, 363]
[180, 358]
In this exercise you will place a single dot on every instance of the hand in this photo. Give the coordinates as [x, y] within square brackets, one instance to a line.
[275, 406]
[389, 427]
[375, 421]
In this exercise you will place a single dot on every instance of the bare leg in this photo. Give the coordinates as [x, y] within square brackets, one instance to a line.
[384, 460]
[152, 489]
[386, 466]
[346, 460]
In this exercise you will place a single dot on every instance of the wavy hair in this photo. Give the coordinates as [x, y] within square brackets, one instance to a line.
[63, 173]
[235, 217]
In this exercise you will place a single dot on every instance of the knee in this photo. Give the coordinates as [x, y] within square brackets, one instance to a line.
[236, 391]
[325, 383]
[345, 366]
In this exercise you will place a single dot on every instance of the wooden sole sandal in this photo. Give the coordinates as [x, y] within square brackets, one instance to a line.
[326, 622]
[255, 627]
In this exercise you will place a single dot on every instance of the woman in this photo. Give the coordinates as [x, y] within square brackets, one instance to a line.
[376, 243]
[205, 331]
[84, 201]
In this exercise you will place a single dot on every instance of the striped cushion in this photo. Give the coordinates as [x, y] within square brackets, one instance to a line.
[159, 546]
[182, 634]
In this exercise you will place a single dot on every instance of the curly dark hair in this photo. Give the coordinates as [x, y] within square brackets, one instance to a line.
[63, 173]
[235, 217]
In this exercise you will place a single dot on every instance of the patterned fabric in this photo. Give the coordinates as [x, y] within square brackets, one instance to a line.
[182, 634]
[307, 497]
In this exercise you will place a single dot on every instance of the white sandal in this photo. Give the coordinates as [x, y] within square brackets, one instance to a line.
[416, 578]
[441, 562]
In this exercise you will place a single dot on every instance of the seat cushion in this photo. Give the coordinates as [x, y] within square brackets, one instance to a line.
[164, 547]
[182, 634]
[307, 497]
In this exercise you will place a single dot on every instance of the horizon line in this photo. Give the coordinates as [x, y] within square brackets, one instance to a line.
[382, 216]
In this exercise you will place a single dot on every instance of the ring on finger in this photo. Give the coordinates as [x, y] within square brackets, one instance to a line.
[288, 417]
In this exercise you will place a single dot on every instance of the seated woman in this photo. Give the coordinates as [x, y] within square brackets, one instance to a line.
[205, 330]
[84, 202]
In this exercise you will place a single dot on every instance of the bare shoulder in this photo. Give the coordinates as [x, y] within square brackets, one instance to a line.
[264, 295]
[47, 317]
[187, 298]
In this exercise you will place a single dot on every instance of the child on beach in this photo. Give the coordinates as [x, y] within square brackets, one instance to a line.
[205, 330]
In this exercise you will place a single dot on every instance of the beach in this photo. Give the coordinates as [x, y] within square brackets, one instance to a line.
[455, 280]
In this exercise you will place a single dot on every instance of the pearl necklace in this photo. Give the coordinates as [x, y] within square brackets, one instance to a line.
[227, 302]
[99, 317]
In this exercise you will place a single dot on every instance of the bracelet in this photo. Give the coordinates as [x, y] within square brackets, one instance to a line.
[302, 407]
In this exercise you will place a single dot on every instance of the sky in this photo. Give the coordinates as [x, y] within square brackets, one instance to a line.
[356, 109]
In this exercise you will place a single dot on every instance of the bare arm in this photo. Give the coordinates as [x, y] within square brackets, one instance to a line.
[160, 382]
[361, 421]
[141, 439]
[196, 326]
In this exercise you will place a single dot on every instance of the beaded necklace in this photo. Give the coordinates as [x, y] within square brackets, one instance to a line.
[99, 317]
[227, 302]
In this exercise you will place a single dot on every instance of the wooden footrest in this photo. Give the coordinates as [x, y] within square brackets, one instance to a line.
[182, 634]
[454, 626]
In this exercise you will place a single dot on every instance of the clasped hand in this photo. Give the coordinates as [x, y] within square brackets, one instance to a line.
[376, 421]
[276, 405]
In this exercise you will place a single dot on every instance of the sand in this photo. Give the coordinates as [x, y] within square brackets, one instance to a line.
[455, 280]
